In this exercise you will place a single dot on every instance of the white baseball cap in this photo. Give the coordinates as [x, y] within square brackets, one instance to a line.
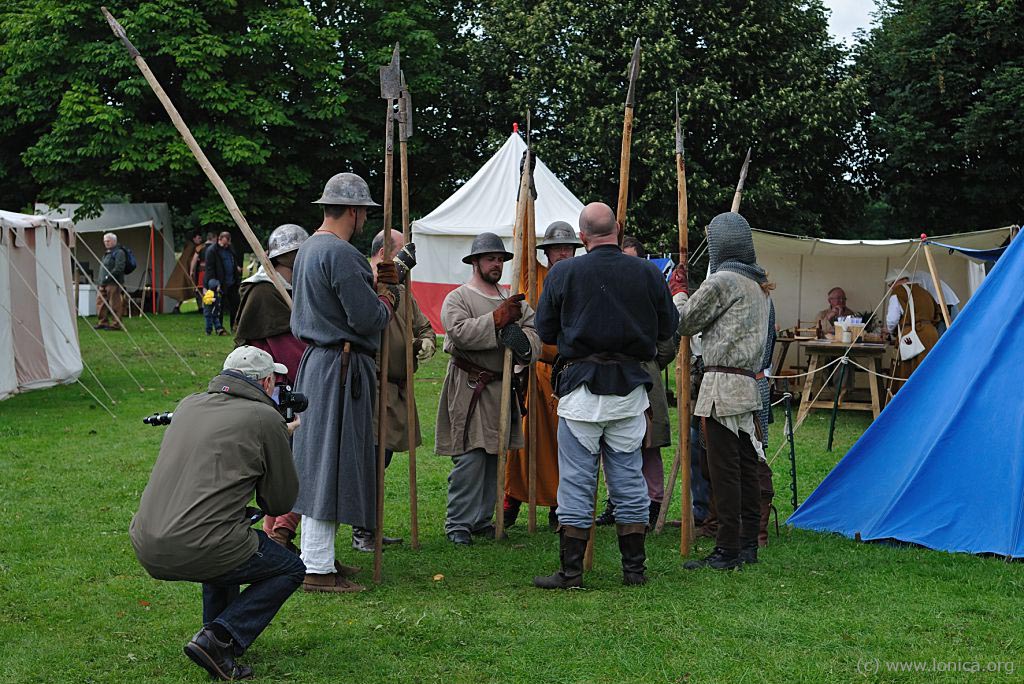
[253, 362]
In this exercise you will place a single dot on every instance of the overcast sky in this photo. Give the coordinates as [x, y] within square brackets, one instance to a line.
[848, 16]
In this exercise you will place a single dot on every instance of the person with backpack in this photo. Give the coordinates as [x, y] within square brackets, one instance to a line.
[109, 303]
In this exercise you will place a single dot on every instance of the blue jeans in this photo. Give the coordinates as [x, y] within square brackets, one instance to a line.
[272, 574]
[577, 482]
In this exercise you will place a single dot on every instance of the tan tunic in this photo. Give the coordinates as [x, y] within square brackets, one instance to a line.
[466, 316]
[926, 314]
[398, 394]
[827, 326]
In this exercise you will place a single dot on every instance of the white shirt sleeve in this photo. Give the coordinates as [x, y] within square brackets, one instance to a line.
[893, 313]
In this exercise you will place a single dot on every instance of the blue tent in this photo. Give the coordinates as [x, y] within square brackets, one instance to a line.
[943, 465]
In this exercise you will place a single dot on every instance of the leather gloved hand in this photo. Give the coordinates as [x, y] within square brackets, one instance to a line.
[404, 261]
[389, 294]
[426, 350]
[509, 311]
[679, 281]
[387, 274]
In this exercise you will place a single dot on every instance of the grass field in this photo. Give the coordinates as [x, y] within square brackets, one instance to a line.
[75, 606]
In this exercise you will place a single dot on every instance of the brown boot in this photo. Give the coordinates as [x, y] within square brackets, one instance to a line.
[572, 545]
[332, 583]
[631, 547]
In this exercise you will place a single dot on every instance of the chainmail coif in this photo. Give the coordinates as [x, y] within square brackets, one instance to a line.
[731, 247]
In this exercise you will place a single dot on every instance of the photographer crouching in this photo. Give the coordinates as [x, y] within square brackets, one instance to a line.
[193, 524]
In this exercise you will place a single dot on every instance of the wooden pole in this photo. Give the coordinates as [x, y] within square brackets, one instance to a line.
[505, 417]
[936, 281]
[385, 341]
[204, 163]
[739, 186]
[410, 386]
[533, 402]
[683, 360]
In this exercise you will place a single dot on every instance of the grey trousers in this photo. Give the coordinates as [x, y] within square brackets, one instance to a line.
[472, 486]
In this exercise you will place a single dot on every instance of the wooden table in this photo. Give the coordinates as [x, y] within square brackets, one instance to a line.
[819, 353]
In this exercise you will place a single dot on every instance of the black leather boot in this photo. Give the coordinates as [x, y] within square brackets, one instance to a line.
[572, 545]
[655, 511]
[631, 546]
[748, 554]
[216, 657]
[719, 559]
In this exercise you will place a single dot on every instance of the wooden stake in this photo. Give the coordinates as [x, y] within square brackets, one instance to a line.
[936, 281]
[204, 163]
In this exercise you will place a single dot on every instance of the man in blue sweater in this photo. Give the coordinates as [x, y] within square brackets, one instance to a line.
[606, 311]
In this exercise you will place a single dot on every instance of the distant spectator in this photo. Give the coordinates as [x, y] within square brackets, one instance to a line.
[211, 308]
[109, 303]
[222, 264]
[633, 247]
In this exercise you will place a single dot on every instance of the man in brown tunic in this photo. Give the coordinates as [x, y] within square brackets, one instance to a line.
[475, 317]
[925, 314]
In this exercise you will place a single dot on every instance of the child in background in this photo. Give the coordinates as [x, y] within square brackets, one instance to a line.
[211, 307]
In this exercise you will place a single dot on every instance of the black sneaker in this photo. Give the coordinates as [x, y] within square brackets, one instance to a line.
[216, 657]
[748, 554]
[719, 559]
[460, 538]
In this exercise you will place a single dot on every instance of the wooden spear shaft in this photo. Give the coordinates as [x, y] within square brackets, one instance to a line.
[410, 395]
[532, 403]
[683, 372]
[385, 341]
[936, 282]
[627, 141]
[197, 152]
[505, 417]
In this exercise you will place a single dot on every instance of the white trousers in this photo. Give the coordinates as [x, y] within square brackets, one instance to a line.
[317, 545]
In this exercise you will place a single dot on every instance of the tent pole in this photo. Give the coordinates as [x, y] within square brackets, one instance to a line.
[835, 402]
[787, 397]
[152, 271]
[935, 281]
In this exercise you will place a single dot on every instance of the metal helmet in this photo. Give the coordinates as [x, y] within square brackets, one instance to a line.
[486, 243]
[559, 233]
[286, 238]
[347, 190]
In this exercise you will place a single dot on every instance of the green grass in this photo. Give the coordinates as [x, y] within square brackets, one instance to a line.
[76, 606]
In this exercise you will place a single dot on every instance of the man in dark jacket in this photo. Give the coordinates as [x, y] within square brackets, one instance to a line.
[222, 265]
[193, 524]
[607, 312]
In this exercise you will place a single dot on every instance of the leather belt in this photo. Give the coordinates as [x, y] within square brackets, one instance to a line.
[730, 370]
[478, 380]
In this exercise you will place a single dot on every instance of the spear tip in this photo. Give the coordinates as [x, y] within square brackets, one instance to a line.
[119, 31]
[634, 71]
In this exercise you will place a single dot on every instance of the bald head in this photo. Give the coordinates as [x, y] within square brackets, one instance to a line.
[397, 242]
[597, 220]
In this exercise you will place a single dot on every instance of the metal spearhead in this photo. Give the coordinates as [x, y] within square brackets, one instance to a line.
[634, 71]
[119, 31]
[405, 112]
[680, 149]
[743, 171]
[391, 78]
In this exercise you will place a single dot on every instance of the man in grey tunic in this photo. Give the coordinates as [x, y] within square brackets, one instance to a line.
[731, 310]
[475, 317]
[339, 311]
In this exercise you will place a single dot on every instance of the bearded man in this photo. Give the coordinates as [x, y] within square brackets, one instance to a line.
[480, 323]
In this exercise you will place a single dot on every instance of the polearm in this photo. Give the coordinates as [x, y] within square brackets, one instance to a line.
[390, 91]
[533, 400]
[681, 463]
[197, 152]
[505, 416]
[404, 131]
[739, 186]
[627, 140]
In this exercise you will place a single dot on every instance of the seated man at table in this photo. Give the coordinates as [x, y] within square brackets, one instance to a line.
[826, 319]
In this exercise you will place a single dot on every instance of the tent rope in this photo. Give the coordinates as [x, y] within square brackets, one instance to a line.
[56, 324]
[147, 318]
[106, 302]
[77, 380]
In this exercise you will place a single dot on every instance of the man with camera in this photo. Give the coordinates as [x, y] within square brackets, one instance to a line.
[223, 446]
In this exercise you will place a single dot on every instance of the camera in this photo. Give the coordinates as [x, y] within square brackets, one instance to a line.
[289, 403]
[158, 419]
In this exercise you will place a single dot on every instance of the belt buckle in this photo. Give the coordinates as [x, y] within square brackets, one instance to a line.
[472, 380]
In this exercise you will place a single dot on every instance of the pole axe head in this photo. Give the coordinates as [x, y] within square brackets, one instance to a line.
[391, 78]
[743, 171]
[119, 31]
[405, 112]
[680, 148]
[634, 71]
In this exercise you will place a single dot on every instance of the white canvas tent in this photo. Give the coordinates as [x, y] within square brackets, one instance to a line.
[143, 227]
[486, 203]
[38, 335]
[805, 269]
